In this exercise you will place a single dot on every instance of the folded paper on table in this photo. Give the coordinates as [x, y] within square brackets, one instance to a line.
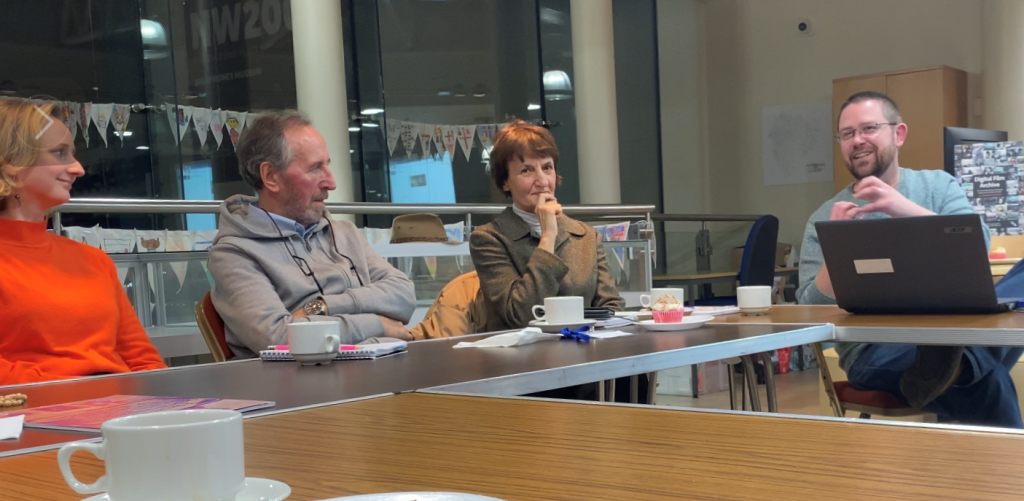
[607, 334]
[10, 428]
[89, 415]
[524, 337]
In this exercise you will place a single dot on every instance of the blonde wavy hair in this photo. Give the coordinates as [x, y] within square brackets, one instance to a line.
[20, 124]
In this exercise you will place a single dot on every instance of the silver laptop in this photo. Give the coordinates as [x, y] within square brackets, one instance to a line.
[925, 265]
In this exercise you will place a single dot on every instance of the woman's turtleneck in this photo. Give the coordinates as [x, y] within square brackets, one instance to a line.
[530, 219]
[23, 233]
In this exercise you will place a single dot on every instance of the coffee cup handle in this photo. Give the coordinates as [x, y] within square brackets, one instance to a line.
[64, 462]
[648, 303]
[534, 310]
[331, 344]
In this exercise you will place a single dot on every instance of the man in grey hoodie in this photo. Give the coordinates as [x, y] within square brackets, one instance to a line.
[280, 258]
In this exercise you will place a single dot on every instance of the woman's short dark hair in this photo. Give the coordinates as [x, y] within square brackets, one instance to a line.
[520, 140]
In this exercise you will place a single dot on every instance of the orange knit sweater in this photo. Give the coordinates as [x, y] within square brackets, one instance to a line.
[63, 312]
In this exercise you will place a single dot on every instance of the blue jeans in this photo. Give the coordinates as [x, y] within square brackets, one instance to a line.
[984, 396]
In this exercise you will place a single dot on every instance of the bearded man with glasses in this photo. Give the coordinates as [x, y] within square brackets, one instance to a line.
[279, 258]
[967, 384]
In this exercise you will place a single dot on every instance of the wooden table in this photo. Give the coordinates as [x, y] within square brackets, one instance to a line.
[517, 449]
[427, 364]
[1002, 329]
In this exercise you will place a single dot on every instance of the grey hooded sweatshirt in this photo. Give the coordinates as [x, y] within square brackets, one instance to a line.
[257, 282]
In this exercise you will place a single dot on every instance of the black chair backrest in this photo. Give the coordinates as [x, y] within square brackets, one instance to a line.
[758, 265]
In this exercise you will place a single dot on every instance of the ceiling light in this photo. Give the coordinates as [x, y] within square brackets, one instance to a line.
[557, 85]
[444, 93]
[142, 147]
[370, 124]
[353, 129]
[372, 111]
[533, 107]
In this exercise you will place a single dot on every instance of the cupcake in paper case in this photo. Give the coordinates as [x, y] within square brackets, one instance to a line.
[667, 309]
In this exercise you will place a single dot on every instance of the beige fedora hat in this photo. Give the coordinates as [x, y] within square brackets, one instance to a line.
[418, 228]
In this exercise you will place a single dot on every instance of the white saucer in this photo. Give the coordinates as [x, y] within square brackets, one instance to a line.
[256, 489]
[689, 322]
[556, 328]
[416, 496]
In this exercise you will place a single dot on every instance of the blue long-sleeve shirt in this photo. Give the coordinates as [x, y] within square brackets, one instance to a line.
[934, 190]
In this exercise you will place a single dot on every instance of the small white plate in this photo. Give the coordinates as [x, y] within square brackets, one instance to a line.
[256, 489]
[416, 496]
[689, 322]
[556, 328]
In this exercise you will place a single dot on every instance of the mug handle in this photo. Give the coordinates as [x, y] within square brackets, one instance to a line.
[331, 344]
[534, 310]
[648, 303]
[102, 484]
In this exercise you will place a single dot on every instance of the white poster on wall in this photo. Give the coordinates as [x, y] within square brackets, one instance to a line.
[796, 143]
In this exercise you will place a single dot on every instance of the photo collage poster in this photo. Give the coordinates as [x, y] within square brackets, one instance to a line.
[990, 174]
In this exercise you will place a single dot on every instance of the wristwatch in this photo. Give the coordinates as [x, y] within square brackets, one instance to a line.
[315, 307]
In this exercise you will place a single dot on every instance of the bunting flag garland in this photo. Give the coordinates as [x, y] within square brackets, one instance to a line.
[84, 118]
[217, 125]
[172, 119]
[448, 137]
[183, 117]
[426, 131]
[201, 122]
[122, 113]
[408, 133]
[465, 136]
[71, 118]
[101, 118]
[486, 134]
[392, 132]
[235, 122]
[438, 141]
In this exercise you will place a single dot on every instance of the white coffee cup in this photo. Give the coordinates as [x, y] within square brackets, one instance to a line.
[312, 343]
[754, 299]
[647, 300]
[561, 310]
[176, 455]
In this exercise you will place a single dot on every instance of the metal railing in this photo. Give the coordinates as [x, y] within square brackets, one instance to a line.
[143, 206]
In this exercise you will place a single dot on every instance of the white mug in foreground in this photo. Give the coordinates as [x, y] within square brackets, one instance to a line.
[754, 299]
[561, 310]
[648, 300]
[313, 343]
[176, 455]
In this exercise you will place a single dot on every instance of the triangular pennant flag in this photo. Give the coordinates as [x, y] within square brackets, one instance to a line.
[101, 117]
[391, 133]
[250, 117]
[179, 268]
[71, 118]
[217, 125]
[465, 136]
[425, 133]
[408, 132]
[201, 122]
[172, 119]
[448, 137]
[122, 113]
[84, 118]
[235, 123]
[184, 117]
[122, 273]
[486, 135]
[438, 141]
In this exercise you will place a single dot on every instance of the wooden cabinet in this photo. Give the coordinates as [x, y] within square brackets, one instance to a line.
[929, 99]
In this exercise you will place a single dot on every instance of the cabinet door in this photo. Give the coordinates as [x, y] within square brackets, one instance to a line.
[919, 95]
[842, 89]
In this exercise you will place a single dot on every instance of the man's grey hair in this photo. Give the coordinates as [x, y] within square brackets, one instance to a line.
[264, 141]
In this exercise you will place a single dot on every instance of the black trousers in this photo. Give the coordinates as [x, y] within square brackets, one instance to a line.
[589, 391]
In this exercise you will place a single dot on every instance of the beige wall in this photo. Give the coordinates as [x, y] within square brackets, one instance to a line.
[755, 57]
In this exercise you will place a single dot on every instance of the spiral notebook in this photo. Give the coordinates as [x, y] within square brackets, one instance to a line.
[363, 352]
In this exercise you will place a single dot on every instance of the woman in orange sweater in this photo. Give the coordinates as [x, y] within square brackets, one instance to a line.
[63, 312]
